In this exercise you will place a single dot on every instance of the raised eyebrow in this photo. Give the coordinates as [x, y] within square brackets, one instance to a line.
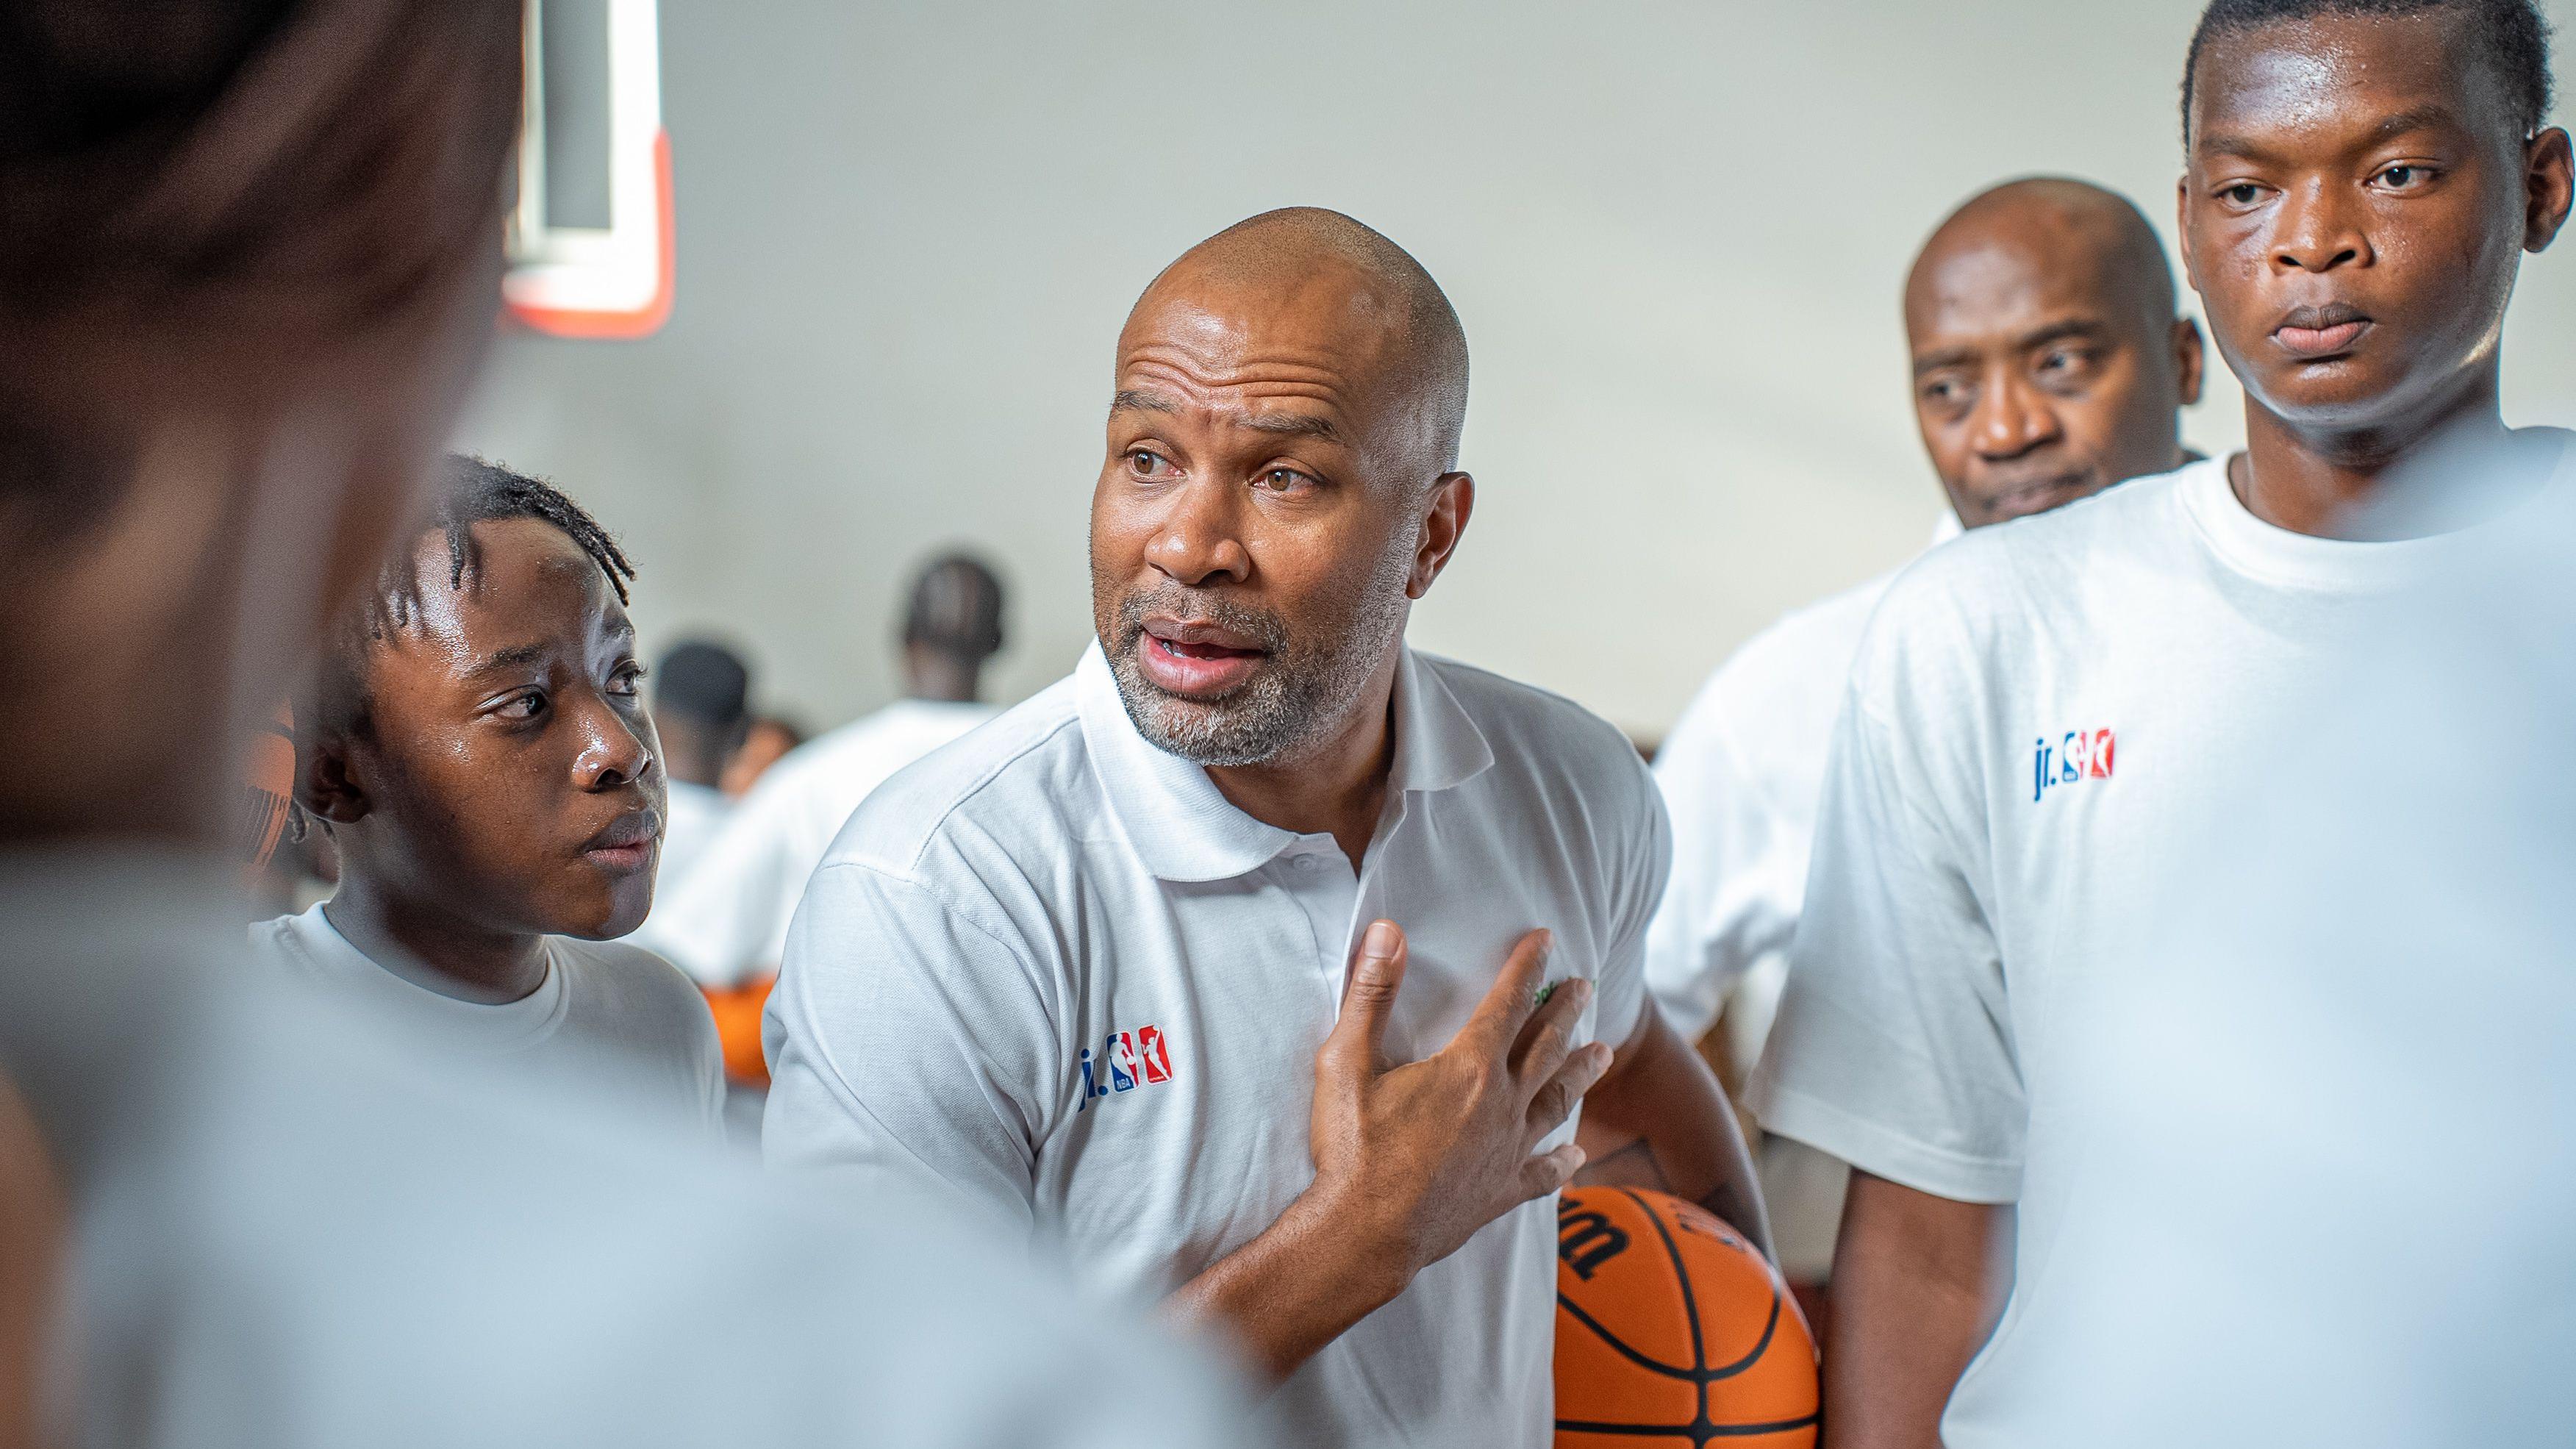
[1297, 425]
[2084, 327]
[1137, 400]
[511, 658]
[2388, 128]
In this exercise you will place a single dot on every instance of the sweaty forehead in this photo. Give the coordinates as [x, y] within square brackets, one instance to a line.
[1322, 331]
[2008, 279]
[526, 577]
[2316, 78]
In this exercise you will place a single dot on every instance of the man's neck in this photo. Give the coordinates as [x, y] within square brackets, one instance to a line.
[941, 678]
[2334, 482]
[1337, 787]
[431, 948]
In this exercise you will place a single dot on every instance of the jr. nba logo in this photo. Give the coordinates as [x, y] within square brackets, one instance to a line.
[1126, 1060]
[2080, 755]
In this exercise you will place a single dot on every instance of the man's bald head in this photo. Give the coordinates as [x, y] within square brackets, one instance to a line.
[2048, 362]
[1348, 275]
[2095, 230]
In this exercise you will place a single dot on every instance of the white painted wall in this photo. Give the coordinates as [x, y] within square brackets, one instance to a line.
[907, 235]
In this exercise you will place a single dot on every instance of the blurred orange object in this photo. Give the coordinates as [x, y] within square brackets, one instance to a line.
[737, 1011]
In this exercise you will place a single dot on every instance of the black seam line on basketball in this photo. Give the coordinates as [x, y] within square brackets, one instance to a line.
[1681, 1276]
[1699, 1351]
[1688, 1376]
[1686, 1431]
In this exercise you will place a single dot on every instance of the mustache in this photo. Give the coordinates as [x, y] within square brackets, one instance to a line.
[1267, 630]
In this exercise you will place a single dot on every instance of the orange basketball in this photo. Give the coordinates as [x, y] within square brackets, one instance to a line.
[1671, 1329]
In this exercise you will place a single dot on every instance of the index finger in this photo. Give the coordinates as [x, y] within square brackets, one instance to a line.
[1498, 1019]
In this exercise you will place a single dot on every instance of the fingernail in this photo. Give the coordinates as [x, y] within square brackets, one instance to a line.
[1546, 947]
[1380, 939]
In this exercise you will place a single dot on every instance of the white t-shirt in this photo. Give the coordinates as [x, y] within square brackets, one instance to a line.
[690, 822]
[2344, 1220]
[2038, 715]
[725, 921]
[1053, 974]
[603, 1007]
[1740, 774]
[294, 1232]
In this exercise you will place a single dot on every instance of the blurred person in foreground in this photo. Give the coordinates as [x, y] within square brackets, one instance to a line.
[249, 263]
[725, 923]
[2044, 716]
[702, 712]
[2048, 365]
[1263, 964]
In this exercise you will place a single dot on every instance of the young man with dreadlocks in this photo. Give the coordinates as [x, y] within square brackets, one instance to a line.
[477, 743]
[2048, 721]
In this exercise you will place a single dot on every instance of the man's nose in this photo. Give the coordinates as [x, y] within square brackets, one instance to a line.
[1199, 538]
[614, 751]
[2011, 417]
[2318, 231]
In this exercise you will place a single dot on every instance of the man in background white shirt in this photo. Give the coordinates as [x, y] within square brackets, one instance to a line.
[1259, 968]
[725, 921]
[2048, 364]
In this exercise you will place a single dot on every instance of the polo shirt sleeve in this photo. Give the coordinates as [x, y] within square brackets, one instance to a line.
[1645, 858]
[1893, 1048]
[906, 1044]
[1738, 873]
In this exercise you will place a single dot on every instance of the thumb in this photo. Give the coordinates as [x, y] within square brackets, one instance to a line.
[1357, 1044]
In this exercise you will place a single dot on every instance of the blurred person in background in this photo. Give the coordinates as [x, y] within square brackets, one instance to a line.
[2044, 717]
[702, 711]
[2048, 365]
[767, 741]
[726, 922]
[249, 264]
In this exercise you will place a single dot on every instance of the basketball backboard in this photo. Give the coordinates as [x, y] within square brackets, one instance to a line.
[590, 237]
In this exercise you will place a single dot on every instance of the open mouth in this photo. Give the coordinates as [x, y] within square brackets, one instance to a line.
[1195, 659]
[2313, 334]
[627, 844]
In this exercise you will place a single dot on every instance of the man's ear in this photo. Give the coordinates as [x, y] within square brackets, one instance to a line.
[1444, 522]
[2182, 230]
[2549, 181]
[325, 785]
[2191, 358]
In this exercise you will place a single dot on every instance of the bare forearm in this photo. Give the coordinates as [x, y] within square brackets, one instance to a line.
[1661, 1120]
[1916, 1288]
[1286, 1294]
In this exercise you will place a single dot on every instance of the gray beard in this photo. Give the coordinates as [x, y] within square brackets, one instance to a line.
[1295, 702]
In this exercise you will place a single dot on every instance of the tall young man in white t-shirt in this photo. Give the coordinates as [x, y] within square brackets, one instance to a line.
[2036, 707]
[1259, 967]
[2048, 365]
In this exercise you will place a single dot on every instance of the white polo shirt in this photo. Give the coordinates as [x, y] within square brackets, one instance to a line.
[1052, 973]
[1740, 774]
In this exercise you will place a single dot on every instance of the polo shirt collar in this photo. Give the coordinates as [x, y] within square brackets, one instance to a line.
[1184, 829]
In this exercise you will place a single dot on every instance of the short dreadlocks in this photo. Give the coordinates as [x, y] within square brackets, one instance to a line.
[470, 491]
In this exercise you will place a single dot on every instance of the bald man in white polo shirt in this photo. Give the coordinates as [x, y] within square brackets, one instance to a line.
[1259, 967]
